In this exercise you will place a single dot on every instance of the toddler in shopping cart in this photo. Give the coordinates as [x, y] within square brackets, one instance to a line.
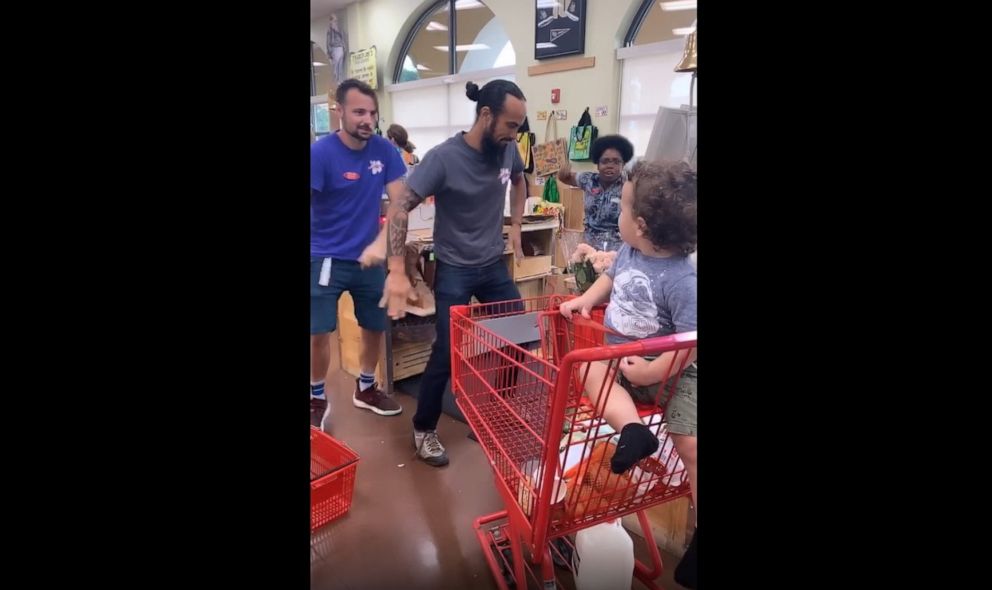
[651, 289]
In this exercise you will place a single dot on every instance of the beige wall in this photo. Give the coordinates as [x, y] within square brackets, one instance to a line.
[606, 25]
[384, 23]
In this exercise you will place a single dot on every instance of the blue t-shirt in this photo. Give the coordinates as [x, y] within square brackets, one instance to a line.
[346, 196]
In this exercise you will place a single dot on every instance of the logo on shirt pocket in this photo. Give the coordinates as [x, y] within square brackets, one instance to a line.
[352, 176]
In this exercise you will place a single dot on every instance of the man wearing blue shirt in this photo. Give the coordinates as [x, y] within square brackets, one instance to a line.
[349, 170]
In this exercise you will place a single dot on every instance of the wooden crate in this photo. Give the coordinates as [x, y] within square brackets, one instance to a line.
[539, 241]
[530, 266]
[409, 358]
[531, 288]
[669, 525]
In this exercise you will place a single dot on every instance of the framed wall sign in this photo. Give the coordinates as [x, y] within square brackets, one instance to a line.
[559, 28]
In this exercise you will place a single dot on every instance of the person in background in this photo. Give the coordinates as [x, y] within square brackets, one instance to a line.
[602, 190]
[398, 137]
[337, 49]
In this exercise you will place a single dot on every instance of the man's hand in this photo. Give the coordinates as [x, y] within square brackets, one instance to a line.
[396, 293]
[515, 241]
[374, 254]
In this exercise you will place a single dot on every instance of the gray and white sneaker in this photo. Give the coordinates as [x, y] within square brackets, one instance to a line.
[429, 448]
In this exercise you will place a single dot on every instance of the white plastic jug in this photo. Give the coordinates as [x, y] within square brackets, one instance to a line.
[603, 558]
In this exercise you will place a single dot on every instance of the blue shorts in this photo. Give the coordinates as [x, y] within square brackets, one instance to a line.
[364, 284]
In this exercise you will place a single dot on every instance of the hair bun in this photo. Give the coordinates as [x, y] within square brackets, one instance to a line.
[472, 91]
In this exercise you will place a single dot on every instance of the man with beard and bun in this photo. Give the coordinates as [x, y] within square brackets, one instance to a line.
[468, 176]
[349, 170]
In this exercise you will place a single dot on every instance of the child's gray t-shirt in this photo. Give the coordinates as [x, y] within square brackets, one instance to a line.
[651, 296]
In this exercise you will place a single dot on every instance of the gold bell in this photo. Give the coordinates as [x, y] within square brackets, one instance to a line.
[688, 63]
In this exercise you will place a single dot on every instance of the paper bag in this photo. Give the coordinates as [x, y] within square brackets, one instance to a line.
[549, 156]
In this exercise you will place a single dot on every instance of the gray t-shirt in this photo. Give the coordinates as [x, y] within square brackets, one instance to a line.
[469, 190]
[651, 296]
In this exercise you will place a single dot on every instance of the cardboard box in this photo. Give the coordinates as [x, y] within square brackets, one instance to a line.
[532, 266]
[573, 199]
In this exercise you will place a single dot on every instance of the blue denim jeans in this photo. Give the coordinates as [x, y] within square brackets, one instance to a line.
[455, 285]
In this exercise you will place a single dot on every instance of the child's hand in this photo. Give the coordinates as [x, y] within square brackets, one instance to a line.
[571, 306]
[582, 251]
[602, 261]
[635, 369]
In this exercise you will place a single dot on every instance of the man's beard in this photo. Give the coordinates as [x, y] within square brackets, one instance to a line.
[492, 148]
[357, 134]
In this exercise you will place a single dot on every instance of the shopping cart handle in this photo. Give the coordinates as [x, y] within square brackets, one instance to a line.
[580, 321]
[646, 347]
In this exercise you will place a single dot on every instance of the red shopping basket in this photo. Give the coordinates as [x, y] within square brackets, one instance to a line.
[332, 478]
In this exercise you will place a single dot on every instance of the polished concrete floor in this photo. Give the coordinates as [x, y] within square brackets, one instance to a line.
[410, 524]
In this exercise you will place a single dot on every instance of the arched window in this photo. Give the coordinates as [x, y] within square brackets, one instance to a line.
[661, 21]
[654, 45]
[453, 37]
[452, 42]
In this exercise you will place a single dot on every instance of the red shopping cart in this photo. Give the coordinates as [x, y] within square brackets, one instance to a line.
[520, 373]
